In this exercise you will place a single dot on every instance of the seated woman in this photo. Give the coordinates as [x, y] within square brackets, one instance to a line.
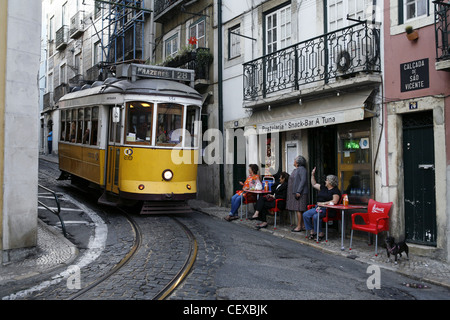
[268, 201]
[250, 182]
[328, 194]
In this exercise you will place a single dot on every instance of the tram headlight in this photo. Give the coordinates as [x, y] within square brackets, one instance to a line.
[167, 175]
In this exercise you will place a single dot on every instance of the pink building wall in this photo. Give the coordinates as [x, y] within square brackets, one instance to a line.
[397, 50]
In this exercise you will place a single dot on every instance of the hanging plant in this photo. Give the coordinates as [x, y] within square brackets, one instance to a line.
[411, 34]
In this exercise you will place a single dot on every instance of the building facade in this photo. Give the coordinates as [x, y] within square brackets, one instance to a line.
[310, 78]
[19, 102]
[84, 40]
[337, 81]
[340, 83]
[417, 99]
[186, 37]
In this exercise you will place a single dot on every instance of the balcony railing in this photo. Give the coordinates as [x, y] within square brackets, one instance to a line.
[340, 53]
[60, 91]
[48, 100]
[62, 37]
[163, 5]
[442, 29]
[198, 60]
[76, 24]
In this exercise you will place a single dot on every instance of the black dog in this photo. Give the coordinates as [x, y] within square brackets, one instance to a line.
[396, 248]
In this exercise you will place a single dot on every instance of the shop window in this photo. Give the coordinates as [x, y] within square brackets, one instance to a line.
[355, 166]
[269, 154]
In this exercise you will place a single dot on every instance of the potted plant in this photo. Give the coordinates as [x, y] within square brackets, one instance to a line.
[411, 34]
[203, 59]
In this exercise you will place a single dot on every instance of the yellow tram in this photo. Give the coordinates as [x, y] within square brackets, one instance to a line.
[135, 136]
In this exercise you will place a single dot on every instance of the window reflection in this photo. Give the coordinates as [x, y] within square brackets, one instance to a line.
[139, 122]
[170, 124]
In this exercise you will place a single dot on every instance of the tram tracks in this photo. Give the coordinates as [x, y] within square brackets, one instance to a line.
[171, 285]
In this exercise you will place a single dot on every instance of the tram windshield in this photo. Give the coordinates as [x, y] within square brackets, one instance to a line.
[170, 124]
[139, 122]
[170, 129]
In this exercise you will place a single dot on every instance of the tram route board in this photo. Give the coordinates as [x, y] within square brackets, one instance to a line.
[147, 71]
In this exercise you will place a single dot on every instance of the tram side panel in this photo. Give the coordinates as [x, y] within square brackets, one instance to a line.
[83, 162]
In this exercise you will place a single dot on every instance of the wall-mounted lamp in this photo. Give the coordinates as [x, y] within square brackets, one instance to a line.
[300, 101]
[268, 108]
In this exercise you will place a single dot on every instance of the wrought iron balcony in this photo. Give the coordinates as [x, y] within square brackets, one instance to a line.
[325, 58]
[442, 29]
[164, 6]
[62, 37]
[198, 60]
[60, 90]
[48, 100]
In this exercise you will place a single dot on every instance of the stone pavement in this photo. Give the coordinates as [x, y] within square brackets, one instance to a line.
[53, 250]
[419, 267]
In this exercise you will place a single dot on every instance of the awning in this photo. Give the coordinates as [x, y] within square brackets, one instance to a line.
[347, 107]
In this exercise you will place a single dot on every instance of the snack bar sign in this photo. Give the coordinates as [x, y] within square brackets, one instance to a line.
[415, 75]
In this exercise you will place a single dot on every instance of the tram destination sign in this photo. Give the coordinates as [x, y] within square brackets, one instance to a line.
[415, 75]
[147, 71]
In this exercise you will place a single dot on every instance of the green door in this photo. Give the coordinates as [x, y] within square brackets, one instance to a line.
[419, 178]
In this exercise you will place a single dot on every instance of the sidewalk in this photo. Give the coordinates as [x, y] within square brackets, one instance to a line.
[418, 267]
[52, 251]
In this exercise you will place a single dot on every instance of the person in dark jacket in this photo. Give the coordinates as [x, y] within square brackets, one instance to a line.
[298, 190]
[279, 191]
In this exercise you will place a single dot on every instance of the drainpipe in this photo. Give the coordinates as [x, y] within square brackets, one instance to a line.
[220, 91]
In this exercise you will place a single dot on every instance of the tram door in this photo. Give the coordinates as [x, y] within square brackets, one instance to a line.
[112, 171]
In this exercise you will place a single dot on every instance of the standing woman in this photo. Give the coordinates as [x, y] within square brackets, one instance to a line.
[297, 193]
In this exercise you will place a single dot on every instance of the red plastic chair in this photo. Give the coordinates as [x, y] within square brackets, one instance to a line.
[376, 220]
[275, 210]
[246, 199]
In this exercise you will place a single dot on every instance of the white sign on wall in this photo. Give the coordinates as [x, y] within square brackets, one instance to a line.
[319, 120]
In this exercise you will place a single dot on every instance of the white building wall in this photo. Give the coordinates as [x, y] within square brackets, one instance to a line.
[21, 139]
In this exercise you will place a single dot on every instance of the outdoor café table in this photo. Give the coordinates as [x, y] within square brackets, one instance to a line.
[343, 208]
[257, 192]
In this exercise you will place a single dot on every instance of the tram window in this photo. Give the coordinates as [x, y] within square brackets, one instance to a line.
[68, 125]
[139, 122]
[192, 126]
[170, 124]
[80, 121]
[94, 131]
[63, 125]
[87, 125]
[114, 129]
[73, 126]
